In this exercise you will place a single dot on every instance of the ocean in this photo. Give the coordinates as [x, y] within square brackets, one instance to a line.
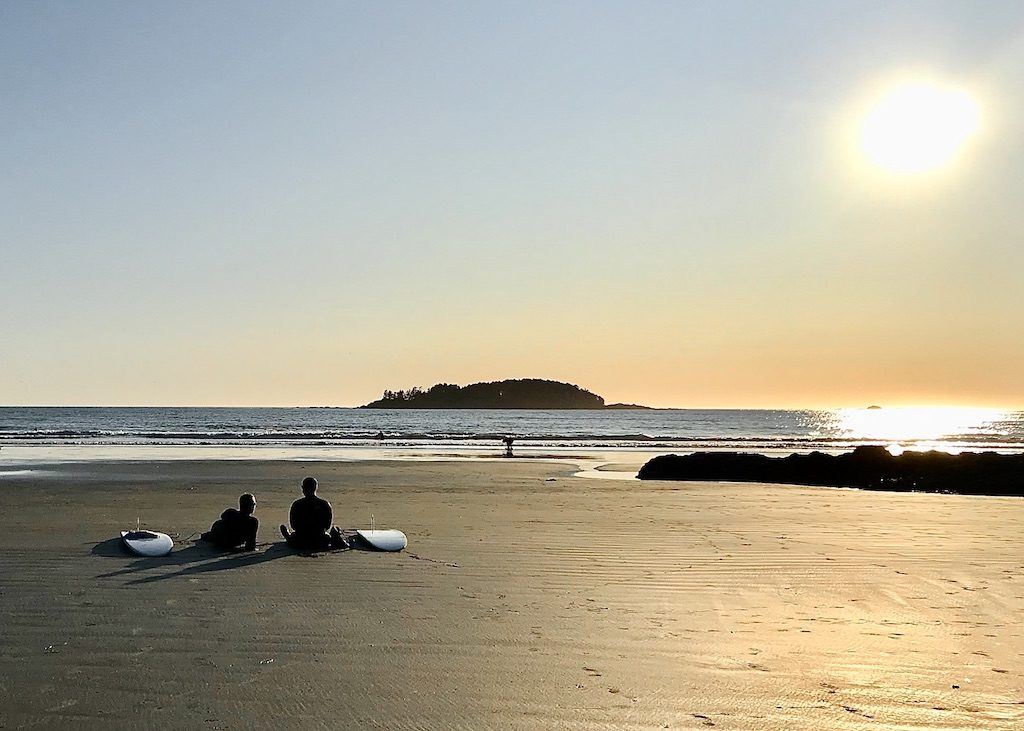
[44, 430]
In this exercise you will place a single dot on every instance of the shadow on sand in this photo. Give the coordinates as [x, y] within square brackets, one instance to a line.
[224, 562]
[114, 548]
[193, 559]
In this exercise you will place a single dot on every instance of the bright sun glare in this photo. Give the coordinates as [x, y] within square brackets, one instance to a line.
[918, 127]
[926, 426]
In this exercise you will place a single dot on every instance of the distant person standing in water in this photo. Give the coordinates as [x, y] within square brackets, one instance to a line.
[508, 445]
[236, 527]
[312, 519]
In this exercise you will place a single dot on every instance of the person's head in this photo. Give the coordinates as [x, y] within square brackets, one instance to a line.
[247, 503]
[309, 486]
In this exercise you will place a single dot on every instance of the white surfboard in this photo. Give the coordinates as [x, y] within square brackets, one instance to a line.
[384, 540]
[147, 542]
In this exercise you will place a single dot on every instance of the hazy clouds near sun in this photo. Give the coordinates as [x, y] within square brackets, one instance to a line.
[235, 203]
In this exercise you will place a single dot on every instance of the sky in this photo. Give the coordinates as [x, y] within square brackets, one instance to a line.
[253, 203]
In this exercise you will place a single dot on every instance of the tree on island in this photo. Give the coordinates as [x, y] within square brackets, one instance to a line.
[527, 393]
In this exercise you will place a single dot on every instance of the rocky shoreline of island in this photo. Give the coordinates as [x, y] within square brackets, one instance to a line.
[521, 393]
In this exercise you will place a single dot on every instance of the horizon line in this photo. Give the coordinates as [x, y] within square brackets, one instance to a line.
[917, 405]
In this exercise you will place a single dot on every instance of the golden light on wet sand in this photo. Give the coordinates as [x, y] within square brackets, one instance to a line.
[917, 127]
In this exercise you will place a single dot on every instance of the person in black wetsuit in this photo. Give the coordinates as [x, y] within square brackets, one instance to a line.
[312, 521]
[236, 528]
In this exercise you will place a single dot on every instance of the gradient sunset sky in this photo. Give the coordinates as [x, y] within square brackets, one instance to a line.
[254, 203]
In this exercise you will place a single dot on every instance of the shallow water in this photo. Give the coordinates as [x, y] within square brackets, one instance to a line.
[299, 433]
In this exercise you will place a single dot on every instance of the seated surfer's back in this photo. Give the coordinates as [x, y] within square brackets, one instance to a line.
[311, 515]
[311, 519]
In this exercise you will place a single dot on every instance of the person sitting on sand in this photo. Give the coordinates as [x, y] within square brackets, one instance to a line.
[312, 519]
[236, 527]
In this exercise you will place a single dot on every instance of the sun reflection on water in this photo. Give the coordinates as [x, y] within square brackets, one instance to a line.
[918, 426]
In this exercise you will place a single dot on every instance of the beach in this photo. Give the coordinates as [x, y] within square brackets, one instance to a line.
[527, 598]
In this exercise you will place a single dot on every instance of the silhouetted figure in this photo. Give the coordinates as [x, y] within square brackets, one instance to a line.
[508, 445]
[311, 518]
[236, 527]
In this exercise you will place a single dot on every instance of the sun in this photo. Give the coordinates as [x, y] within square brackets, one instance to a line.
[918, 127]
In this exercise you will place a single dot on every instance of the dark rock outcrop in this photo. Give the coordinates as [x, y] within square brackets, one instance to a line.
[870, 468]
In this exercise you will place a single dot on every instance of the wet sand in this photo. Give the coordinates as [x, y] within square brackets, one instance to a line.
[527, 599]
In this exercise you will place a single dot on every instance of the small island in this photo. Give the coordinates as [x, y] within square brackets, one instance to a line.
[524, 393]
